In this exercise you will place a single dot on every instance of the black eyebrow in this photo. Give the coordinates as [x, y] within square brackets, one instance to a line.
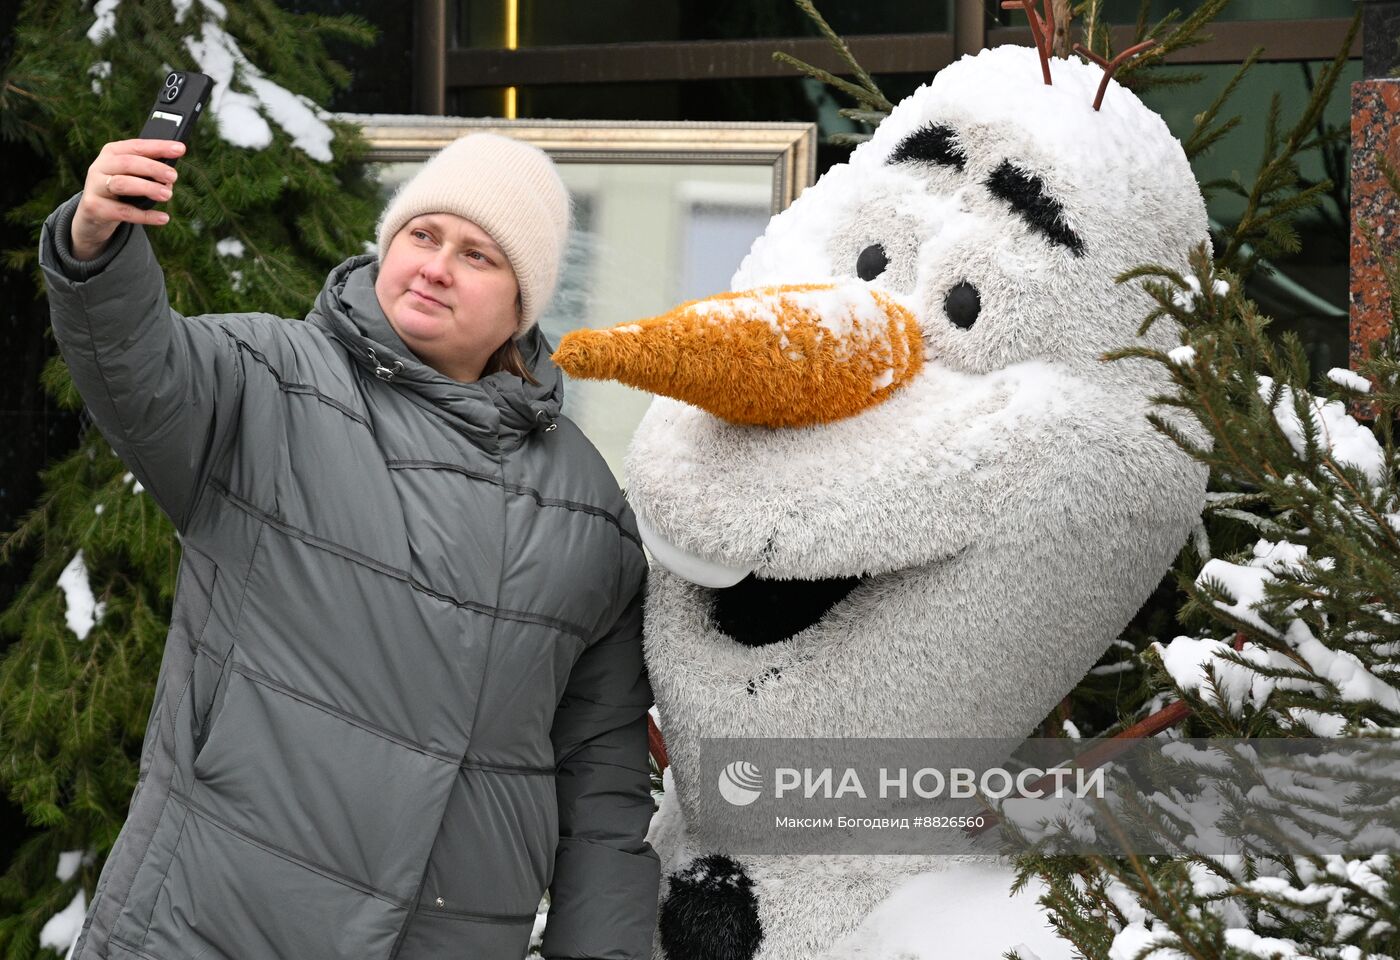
[1026, 195]
[931, 143]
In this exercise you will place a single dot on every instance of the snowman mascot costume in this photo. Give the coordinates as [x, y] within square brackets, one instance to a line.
[893, 489]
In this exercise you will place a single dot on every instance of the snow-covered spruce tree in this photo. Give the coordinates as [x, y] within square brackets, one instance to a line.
[1296, 635]
[272, 195]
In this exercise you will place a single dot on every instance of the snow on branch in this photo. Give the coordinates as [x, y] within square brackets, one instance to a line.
[240, 116]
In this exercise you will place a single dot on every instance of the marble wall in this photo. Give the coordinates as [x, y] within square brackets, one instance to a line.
[1375, 207]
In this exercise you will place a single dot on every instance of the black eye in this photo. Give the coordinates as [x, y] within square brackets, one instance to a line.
[871, 262]
[963, 304]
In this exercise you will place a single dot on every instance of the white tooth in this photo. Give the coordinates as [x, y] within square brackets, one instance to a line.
[706, 573]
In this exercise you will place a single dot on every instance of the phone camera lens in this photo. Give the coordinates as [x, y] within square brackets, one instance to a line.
[172, 80]
[171, 93]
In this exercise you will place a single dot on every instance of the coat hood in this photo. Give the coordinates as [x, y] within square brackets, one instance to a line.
[500, 407]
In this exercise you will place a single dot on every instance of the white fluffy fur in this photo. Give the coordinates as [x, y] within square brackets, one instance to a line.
[1012, 505]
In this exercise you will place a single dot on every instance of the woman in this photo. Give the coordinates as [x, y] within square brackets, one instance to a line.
[403, 690]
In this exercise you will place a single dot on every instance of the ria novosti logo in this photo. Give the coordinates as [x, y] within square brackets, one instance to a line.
[740, 783]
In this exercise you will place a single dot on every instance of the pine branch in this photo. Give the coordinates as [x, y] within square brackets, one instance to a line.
[873, 96]
[869, 102]
[1264, 223]
[1205, 131]
[1141, 73]
[873, 105]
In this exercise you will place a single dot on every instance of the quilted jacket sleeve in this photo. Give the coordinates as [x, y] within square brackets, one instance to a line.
[163, 389]
[603, 897]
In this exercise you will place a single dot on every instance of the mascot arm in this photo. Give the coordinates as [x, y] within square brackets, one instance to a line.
[603, 894]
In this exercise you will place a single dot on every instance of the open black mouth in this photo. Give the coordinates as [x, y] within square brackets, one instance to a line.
[758, 612]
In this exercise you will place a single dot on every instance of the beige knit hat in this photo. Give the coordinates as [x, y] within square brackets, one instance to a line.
[509, 189]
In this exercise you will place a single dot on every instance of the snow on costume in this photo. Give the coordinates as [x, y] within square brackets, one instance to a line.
[403, 690]
[893, 489]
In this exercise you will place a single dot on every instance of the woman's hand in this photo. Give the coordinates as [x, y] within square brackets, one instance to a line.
[124, 168]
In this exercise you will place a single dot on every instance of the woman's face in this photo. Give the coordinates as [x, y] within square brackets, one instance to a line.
[449, 292]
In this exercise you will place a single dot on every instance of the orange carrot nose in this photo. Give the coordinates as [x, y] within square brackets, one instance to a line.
[775, 356]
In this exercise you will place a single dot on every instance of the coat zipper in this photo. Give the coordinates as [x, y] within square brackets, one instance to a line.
[382, 372]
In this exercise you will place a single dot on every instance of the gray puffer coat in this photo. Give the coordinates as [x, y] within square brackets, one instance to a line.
[403, 690]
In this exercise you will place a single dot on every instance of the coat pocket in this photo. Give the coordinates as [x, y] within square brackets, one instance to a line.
[189, 669]
[206, 642]
[212, 676]
[148, 745]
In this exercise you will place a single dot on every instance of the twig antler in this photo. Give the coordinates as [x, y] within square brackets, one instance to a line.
[1110, 66]
[1042, 28]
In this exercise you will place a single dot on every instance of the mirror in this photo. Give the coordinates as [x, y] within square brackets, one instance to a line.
[663, 213]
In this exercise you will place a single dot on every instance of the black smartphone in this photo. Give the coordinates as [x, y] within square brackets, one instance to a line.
[178, 106]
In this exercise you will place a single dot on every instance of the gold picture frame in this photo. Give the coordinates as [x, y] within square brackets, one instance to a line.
[789, 150]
